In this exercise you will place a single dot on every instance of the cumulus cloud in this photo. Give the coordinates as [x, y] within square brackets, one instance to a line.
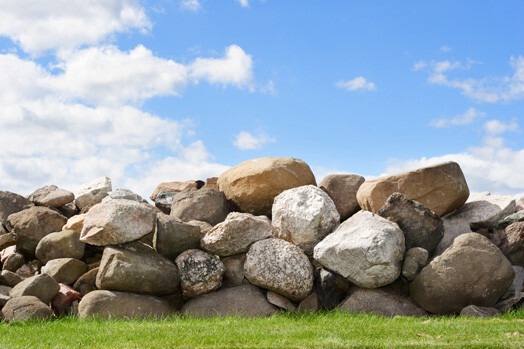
[37, 26]
[358, 83]
[191, 5]
[247, 141]
[243, 3]
[462, 119]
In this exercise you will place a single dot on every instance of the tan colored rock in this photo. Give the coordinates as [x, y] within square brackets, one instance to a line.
[75, 223]
[253, 184]
[172, 187]
[342, 189]
[442, 188]
[212, 183]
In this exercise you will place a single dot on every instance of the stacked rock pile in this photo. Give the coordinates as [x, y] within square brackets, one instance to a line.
[260, 239]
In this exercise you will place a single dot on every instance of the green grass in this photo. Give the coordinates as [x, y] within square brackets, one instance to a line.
[324, 330]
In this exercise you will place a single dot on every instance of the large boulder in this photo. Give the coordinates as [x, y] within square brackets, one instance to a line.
[26, 308]
[32, 224]
[92, 193]
[442, 188]
[366, 249]
[421, 227]
[62, 244]
[116, 222]
[200, 272]
[172, 236]
[236, 234]
[136, 267]
[9, 278]
[206, 205]
[279, 266]
[110, 304]
[65, 270]
[342, 189]
[175, 187]
[42, 286]
[51, 196]
[304, 216]
[253, 184]
[473, 271]
[12, 203]
[513, 243]
[244, 300]
[122, 193]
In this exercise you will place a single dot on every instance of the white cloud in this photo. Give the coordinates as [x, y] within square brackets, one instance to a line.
[247, 141]
[497, 127]
[191, 5]
[462, 119]
[243, 3]
[445, 48]
[358, 83]
[38, 26]
[269, 88]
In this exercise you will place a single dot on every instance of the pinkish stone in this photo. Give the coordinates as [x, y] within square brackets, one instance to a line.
[64, 298]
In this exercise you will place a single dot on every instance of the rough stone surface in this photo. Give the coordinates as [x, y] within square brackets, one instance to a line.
[415, 259]
[206, 205]
[136, 267]
[51, 196]
[380, 302]
[205, 227]
[164, 201]
[42, 286]
[200, 272]
[12, 203]
[211, 183]
[236, 234]
[279, 266]
[4, 295]
[62, 244]
[172, 236]
[124, 194]
[116, 222]
[245, 300]
[7, 240]
[480, 312]
[26, 308]
[331, 288]
[473, 271]
[310, 304]
[65, 270]
[64, 298]
[342, 189]
[175, 187]
[32, 224]
[9, 278]
[87, 282]
[253, 184]
[513, 243]
[13, 262]
[304, 216]
[75, 223]
[366, 249]
[92, 193]
[234, 274]
[110, 304]
[280, 301]
[421, 227]
[512, 218]
[69, 210]
[442, 188]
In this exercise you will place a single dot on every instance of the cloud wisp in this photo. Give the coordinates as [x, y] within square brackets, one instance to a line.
[459, 120]
[247, 141]
[358, 83]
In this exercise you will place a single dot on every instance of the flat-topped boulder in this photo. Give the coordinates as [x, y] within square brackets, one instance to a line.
[92, 193]
[12, 203]
[206, 205]
[253, 184]
[52, 196]
[442, 188]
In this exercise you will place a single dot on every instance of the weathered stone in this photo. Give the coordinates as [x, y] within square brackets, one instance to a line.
[234, 274]
[29, 269]
[513, 243]
[26, 308]
[116, 222]
[75, 223]
[512, 218]
[172, 237]
[205, 227]
[12, 203]
[366, 249]
[9, 278]
[64, 298]
[69, 210]
[62, 244]
[421, 227]
[331, 288]
[206, 205]
[136, 267]
[200, 272]
[442, 188]
[279, 266]
[253, 184]
[92, 193]
[175, 187]
[280, 301]
[472, 271]
[13, 262]
[380, 302]
[42, 286]
[164, 201]
[310, 304]
[4, 295]
[87, 282]
[110, 304]
[304, 216]
[6, 252]
[31, 225]
[7, 240]
[211, 183]
[480, 312]
[122, 194]
[415, 259]
[65, 270]
[51, 196]
[236, 234]
[245, 300]
[3, 229]
[342, 189]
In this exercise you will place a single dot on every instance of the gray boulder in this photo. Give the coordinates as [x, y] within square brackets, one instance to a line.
[124, 194]
[480, 312]
[42, 286]
[281, 267]
[512, 218]
[164, 201]
[62, 244]
[415, 259]
[236, 234]
[51, 196]
[366, 249]
[116, 222]
[513, 243]
[110, 304]
[200, 272]
[280, 301]
[13, 262]
[473, 271]
[8, 278]
[4, 295]
[26, 308]
[245, 300]
[7, 240]
[65, 270]
[304, 216]
[172, 236]
[234, 274]
[87, 282]
[92, 193]
[12, 203]
[342, 189]
[206, 205]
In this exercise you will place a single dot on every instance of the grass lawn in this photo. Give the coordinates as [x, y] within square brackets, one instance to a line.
[290, 331]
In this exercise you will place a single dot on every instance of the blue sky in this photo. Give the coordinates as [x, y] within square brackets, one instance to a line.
[153, 91]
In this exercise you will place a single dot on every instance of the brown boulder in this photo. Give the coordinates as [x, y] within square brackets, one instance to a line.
[26, 308]
[12, 203]
[342, 189]
[51, 196]
[42, 286]
[65, 270]
[64, 298]
[206, 205]
[62, 244]
[513, 243]
[172, 236]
